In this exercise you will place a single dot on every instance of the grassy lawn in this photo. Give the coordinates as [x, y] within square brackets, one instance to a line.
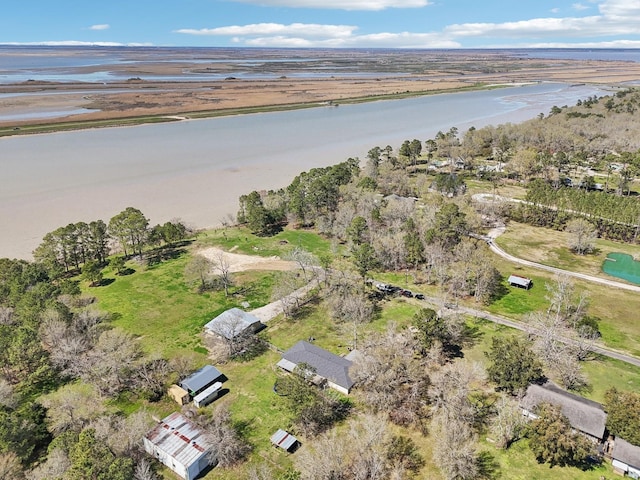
[519, 463]
[549, 247]
[619, 328]
[155, 304]
[245, 242]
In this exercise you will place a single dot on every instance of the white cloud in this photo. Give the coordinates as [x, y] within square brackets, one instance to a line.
[341, 4]
[555, 10]
[77, 43]
[580, 6]
[101, 26]
[316, 35]
[614, 19]
[276, 29]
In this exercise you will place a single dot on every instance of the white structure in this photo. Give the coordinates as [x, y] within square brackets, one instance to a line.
[232, 323]
[180, 445]
[208, 395]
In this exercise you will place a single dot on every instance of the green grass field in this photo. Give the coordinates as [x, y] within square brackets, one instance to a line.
[155, 304]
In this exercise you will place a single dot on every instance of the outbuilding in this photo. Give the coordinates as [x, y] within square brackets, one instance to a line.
[283, 439]
[179, 394]
[233, 323]
[521, 282]
[180, 445]
[200, 380]
[626, 458]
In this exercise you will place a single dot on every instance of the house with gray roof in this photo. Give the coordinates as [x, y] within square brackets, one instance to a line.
[327, 366]
[200, 380]
[584, 415]
[626, 458]
[232, 323]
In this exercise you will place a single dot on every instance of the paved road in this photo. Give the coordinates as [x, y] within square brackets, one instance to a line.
[607, 352]
[496, 232]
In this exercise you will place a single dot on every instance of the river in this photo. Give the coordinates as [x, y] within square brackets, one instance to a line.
[196, 169]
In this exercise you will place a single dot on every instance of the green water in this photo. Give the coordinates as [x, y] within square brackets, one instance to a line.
[622, 266]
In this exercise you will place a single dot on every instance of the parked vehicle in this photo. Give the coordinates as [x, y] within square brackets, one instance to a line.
[406, 293]
[419, 296]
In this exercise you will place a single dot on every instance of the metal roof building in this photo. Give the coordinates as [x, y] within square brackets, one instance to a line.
[518, 281]
[180, 445]
[232, 323]
[284, 440]
[198, 381]
[327, 365]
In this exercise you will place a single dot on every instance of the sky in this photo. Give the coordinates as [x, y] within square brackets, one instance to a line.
[325, 23]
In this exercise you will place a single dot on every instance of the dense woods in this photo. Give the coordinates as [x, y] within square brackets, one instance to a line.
[65, 369]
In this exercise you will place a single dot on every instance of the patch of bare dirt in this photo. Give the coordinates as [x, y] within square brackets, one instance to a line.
[239, 262]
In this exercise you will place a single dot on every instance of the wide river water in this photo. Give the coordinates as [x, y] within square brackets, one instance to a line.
[196, 169]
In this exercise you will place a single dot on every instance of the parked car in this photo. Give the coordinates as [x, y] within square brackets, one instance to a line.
[419, 296]
[406, 293]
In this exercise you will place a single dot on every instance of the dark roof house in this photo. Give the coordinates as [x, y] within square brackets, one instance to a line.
[232, 323]
[584, 415]
[327, 365]
[626, 458]
[203, 378]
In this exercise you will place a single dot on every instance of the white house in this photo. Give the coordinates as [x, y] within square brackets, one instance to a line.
[180, 445]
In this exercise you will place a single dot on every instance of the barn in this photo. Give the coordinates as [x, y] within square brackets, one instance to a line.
[180, 445]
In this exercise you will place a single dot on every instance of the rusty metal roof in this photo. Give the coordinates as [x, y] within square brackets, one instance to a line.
[179, 438]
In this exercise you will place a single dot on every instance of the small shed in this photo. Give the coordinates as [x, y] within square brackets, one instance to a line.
[179, 394]
[200, 380]
[626, 458]
[521, 282]
[284, 440]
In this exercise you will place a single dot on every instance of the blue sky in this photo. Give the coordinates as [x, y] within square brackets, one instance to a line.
[325, 23]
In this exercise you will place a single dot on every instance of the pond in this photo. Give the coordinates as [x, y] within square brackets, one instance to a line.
[623, 266]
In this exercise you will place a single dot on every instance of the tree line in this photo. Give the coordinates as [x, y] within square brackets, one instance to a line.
[67, 249]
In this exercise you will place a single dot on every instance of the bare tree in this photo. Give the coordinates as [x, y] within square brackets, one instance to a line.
[198, 270]
[55, 466]
[222, 266]
[305, 260]
[72, 407]
[358, 453]
[8, 398]
[143, 471]
[228, 447]
[392, 377]
[582, 236]
[110, 364]
[508, 423]
[353, 308]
